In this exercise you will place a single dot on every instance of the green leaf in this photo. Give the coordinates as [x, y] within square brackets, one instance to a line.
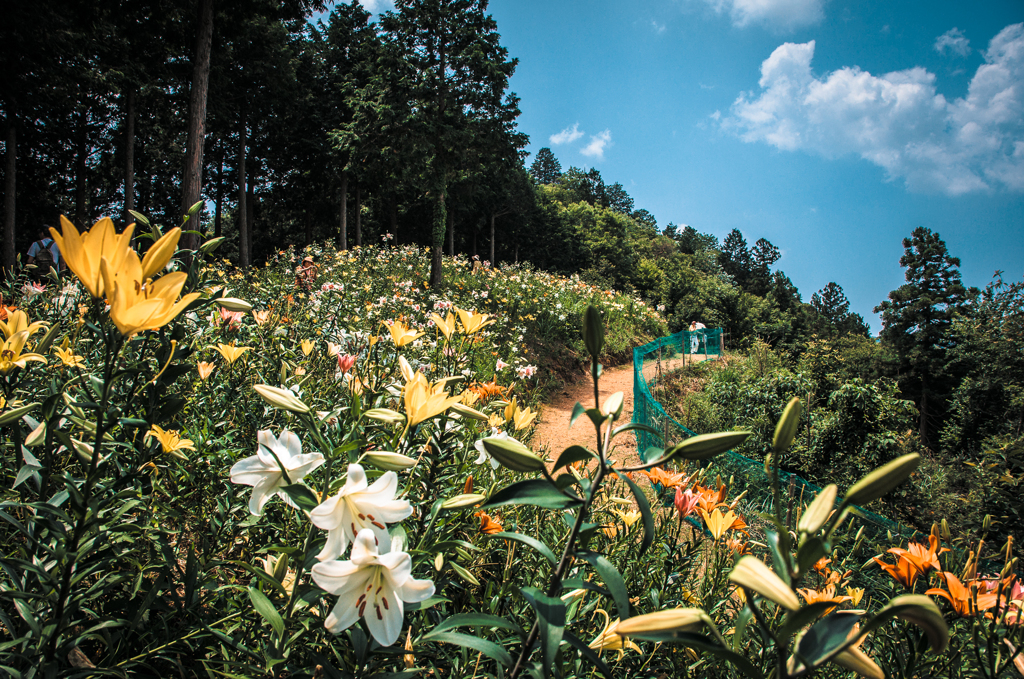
[476, 620]
[551, 616]
[707, 644]
[16, 413]
[536, 492]
[266, 610]
[919, 610]
[798, 619]
[588, 653]
[492, 650]
[778, 560]
[612, 580]
[544, 550]
[827, 635]
[577, 410]
[635, 426]
[645, 511]
[301, 495]
[573, 454]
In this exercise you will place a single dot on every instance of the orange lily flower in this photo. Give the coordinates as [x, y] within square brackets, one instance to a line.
[828, 593]
[963, 598]
[666, 479]
[925, 557]
[904, 572]
[708, 499]
[488, 525]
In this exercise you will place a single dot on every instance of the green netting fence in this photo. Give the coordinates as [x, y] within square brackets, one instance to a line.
[655, 360]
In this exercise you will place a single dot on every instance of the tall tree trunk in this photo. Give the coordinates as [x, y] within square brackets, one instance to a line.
[129, 156]
[343, 214]
[220, 195]
[437, 240]
[243, 219]
[451, 235]
[359, 216]
[192, 176]
[492, 239]
[250, 216]
[10, 169]
[80, 170]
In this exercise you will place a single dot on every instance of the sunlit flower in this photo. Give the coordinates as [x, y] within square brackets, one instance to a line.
[826, 594]
[83, 253]
[170, 441]
[424, 400]
[31, 290]
[904, 572]
[307, 346]
[137, 301]
[473, 322]
[261, 317]
[609, 640]
[268, 475]
[17, 320]
[67, 355]
[11, 356]
[855, 594]
[628, 518]
[401, 334]
[967, 600]
[270, 563]
[357, 507]
[205, 369]
[445, 325]
[718, 523]
[488, 526]
[230, 352]
[345, 362]
[500, 365]
[381, 582]
[665, 478]
[523, 417]
[708, 499]
[924, 557]
[686, 501]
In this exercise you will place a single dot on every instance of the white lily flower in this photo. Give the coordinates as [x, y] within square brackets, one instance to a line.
[484, 455]
[358, 507]
[264, 473]
[372, 585]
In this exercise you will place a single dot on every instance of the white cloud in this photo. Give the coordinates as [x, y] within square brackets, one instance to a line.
[567, 135]
[597, 145]
[897, 120]
[954, 41]
[658, 28]
[777, 14]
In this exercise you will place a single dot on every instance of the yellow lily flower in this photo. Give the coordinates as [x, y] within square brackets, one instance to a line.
[204, 369]
[495, 421]
[424, 400]
[719, 523]
[84, 252]
[11, 356]
[307, 346]
[67, 356]
[628, 518]
[18, 321]
[473, 322]
[402, 334]
[609, 639]
[230, 352]
[524, 417]
[261, 317]
[137, 302]
[445, 325]
[170, 441]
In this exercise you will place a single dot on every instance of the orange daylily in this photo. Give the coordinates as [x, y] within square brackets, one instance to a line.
[904, 572]
[708, 500]
[665, 478]
[488, 390]
[488, 525]
[966, 600]
[828, 593]
[925, 557]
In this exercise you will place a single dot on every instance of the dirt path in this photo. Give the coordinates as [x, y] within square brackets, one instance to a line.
[553, 434]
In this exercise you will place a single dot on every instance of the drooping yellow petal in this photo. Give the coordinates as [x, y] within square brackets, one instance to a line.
[83, 253]
[473, 322]
[160, 253]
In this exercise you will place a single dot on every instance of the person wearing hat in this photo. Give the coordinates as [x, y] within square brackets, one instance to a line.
[305, 274]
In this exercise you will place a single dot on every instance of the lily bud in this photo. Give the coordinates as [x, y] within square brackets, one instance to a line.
[394, 462]
[882, 480]
[471, 413]
[463, 500]
[672, 620]
[512, 454]
[751, 573]
[282, 399]
[944, 528]
[613, 405]
[15, 413]
[785, 430]
[593, 331]
[819, 510]
[706, 446]
[37, 436]
[234, 304]
[986, 523]
[386, 415]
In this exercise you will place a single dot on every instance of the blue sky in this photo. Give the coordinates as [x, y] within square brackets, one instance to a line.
[831, 129]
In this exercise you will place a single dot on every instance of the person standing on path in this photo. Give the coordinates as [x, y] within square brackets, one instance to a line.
[44, 254]
[696, 335]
